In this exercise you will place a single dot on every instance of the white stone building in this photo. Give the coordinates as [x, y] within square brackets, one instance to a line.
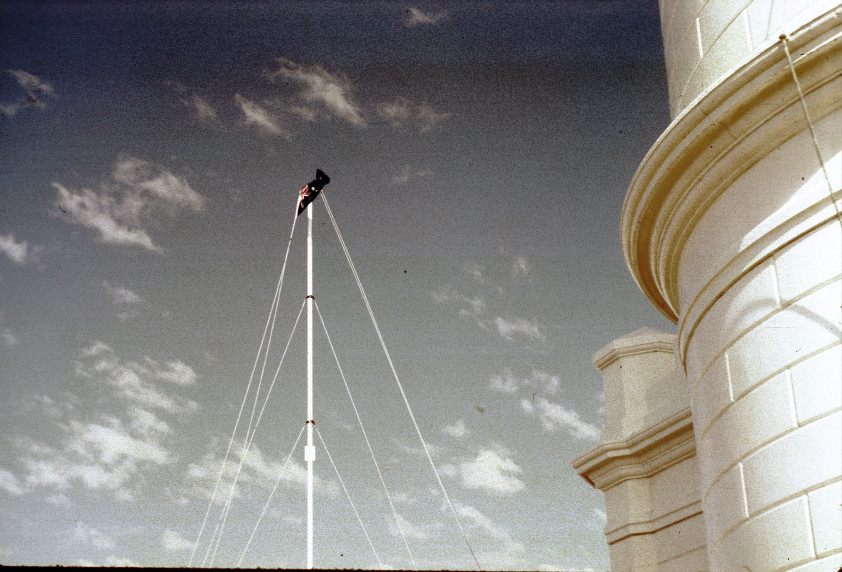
[723, 444]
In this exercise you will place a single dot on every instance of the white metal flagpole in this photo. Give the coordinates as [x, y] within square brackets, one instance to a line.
[310, 450]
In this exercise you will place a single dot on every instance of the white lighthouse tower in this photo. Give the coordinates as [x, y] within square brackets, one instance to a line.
[732, 228]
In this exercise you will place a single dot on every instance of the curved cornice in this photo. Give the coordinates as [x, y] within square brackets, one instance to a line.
[712, 143]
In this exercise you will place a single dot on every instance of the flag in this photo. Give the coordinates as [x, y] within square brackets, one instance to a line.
[311, 190]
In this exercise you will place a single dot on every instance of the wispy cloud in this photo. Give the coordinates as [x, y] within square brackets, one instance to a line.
[406, 173]
[411, 530]
[138, 193]
[509, 553]
[598, 519]
[99, 456]
[8, 337]
[321, 90]
[18, 252]
[108, 449]
[136, 381]
[492, 471]
[418, 18]
[506, 382]
[468, 306]
[90, 535]
[520, 267]
[125, 300]
[401, 112]
[10, 483]
[518, 327]
[173, 541]
[203, 109]
[36, 91]
[556, 417]
[458, 429]
[255, 471]
[260, 117]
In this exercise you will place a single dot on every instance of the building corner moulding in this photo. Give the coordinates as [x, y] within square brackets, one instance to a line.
[712, 143]
[641, 455]
[642, 341]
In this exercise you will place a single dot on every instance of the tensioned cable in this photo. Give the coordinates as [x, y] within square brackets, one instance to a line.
[367, 442]
[347, 495]
[785, 41]
[266, 506]
[397, 379]
[272, 312]
[250, 437]
[223, 516]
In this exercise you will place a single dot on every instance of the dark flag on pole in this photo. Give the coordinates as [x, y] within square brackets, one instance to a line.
[311, 190]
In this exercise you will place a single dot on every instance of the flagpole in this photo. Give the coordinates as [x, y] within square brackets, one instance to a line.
[310, 451]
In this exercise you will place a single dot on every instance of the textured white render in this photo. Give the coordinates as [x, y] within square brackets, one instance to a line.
[646, 461]
[732, 228]
[705, 41]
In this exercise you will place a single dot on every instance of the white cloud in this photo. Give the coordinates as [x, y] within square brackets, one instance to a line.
[36, 91]
[475, 271]
[104, 214]
[124, 437]
[554, 417]
[598, 519]
[90, 535]
[121, 296]
[173, 541]
[508, 329]
[470, 307]
[257, 471]
[32, 83]
[171, 190]
[120, 562]
[10, 483]
[483, 523]
[418, 18]
[18, 252]
[139, 193]
[8, 337]
[401, 111]
[9, 109]
[406, 173]
[98, 456]
[458, 429]
[520, 267]
[134, 383]
[176, 372]
[203, 109]
[260, 117]
[113, 445]
[508, 553]
[124, 299]
[551, 383]
[410, 530]
[428, 118]
[505, 382]
[323, 89]
[492, 471]
[15, 251]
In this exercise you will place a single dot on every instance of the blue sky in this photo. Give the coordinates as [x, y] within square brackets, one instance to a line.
[152, 155]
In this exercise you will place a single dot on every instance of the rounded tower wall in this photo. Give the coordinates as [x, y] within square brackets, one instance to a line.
[705, 39]
[732, 227]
